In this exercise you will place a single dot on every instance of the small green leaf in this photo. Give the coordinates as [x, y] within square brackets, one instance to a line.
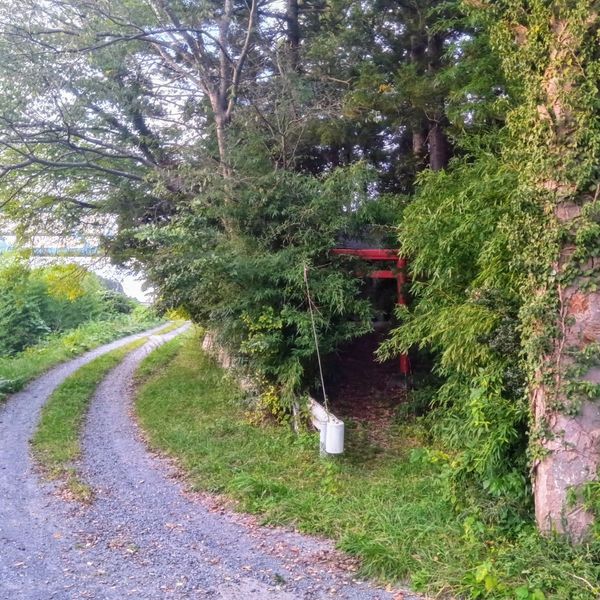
[522, 593]
[481, 572]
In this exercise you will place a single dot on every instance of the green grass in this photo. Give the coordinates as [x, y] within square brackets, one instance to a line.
[56, 443]
[389, 508]
[16, 371]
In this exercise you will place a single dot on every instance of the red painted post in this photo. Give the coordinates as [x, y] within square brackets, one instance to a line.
[401, 281]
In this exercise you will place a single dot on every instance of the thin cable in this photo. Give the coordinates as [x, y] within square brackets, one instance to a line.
[314, 328]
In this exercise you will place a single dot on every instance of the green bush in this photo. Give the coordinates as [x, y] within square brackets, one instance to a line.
[391, 509]
[18, 369]
[235, 261]
[465, 309]
[116, 303]
[35, 302]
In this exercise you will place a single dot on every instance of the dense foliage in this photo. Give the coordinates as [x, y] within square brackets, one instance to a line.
[407, 529]
[227, 194]
[466, 306]
[252, 284]
[503, 248]
[225, 147]
[35, 302]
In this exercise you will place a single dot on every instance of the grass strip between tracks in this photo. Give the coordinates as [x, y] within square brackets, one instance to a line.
[389, 506]
[56, 443]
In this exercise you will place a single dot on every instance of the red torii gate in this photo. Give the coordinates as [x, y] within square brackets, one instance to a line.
[398, 273]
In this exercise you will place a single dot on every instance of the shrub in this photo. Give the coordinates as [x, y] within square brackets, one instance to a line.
[235, 262]
[35, 302]
[465, 310]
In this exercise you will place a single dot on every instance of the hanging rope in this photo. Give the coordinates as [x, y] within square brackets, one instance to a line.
[311, 308]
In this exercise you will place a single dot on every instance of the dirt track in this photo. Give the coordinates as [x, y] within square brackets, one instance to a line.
[143, 537]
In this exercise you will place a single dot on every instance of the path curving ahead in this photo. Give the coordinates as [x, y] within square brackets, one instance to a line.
[143, 537]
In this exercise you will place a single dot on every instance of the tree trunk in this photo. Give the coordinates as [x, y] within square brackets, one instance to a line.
[419, 144]
[418, 46]
[566, 415]
[571, 444]
[293, 34]
[221, 127]
[573, 449]
[439, 149]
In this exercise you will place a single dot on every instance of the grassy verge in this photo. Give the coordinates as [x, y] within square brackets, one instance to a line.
[56, 443]
[17, 371]
[388, 508]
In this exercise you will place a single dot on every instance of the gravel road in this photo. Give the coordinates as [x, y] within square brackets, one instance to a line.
[144, 536]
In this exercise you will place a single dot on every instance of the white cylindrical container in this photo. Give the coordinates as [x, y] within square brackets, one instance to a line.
[334, 440]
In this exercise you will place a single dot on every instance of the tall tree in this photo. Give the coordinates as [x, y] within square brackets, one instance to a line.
[551, 49]
[114, 97]
[178, 122]
[389, 61]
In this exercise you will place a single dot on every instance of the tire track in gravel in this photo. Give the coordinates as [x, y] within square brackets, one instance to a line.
[30, 538]
[158, 541]
[145, 537]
